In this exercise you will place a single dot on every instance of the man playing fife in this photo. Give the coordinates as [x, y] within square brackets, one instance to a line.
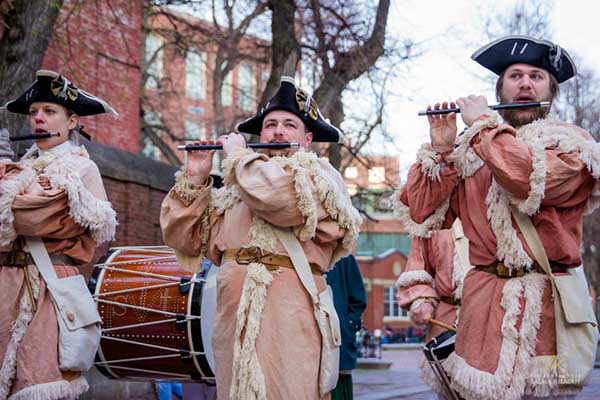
[549, 170]
[265, 339]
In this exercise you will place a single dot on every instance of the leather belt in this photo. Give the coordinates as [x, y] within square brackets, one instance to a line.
[247, 255]
[502, 271]
[16, 258]
[450, 300]
[20, 259]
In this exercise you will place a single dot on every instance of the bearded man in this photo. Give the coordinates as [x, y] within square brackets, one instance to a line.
[506, 342]
[266, 342]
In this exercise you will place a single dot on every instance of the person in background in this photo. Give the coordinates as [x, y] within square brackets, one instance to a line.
[350, 301]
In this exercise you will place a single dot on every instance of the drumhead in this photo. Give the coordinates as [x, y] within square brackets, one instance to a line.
[203, 303]
[441, 346]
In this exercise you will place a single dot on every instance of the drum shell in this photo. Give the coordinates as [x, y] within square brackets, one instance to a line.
[147, 348]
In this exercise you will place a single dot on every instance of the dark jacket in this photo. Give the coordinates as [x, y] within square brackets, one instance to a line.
[350, 301]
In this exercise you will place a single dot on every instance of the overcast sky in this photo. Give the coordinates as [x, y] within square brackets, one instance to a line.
[452, 32]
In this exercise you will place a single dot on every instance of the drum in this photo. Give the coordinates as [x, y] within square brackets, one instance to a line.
[156, 316]
[436, 351]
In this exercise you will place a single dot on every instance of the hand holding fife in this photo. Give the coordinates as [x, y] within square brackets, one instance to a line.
[232, 142]
[442, 128]
[199, 164]
[472, 107]
[422, 313]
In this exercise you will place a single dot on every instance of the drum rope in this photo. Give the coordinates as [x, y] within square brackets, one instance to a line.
[170, 314]
[117, 328]
[154, 346]
[162, 249]
[150, 371]
[104, 363]
[161, 285]
[138, 260]
[150, 274]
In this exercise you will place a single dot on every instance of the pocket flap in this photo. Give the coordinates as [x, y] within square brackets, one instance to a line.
[74, 302]
[575, 300]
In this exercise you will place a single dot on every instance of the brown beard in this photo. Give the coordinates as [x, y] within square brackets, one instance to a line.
[516, 120]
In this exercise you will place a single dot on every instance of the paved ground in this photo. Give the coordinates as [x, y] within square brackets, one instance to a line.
[402, 380]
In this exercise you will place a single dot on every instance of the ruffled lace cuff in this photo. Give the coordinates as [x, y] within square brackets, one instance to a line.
[231, 162]
[185, 189]
[423, 230]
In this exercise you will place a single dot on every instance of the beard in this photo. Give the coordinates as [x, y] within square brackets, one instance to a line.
[520, 117]
[279, 152]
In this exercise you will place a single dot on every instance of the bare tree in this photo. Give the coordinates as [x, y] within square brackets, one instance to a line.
[225, 35]
[26, 28]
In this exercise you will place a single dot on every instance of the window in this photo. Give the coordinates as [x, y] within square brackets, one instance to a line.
[194, 130]
[372, 243]
[154, 61]
[227, 90]
[390, 305]
[246, 87]
[148, 148]
[377, 175]
[195, 75]
[351, 173]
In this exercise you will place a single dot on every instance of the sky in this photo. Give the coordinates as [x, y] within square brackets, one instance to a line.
[449, 32]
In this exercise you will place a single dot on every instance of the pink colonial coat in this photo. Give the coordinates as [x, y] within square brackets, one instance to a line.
[266, 342]
[434, 273]
[506, 341]
[72, 217]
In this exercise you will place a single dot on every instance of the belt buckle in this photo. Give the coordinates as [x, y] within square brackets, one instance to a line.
[254, 251]
[18, 258]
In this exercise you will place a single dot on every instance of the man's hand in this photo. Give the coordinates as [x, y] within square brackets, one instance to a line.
[422, 313]
[472, 107]
[199, 164]
[442, 128]
[232, 142]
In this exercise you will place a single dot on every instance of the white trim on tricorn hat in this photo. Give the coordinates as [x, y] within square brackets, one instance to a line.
[516, 49]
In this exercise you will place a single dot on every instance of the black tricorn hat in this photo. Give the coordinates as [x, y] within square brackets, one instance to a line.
[295, 100]
[516, 49]
[52, 87]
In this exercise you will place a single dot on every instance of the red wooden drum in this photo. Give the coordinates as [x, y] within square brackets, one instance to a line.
[156, 316]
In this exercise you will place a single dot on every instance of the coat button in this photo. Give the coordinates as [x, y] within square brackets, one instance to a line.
[70, 316]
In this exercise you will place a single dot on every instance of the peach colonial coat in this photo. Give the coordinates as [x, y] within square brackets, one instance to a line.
[72, 217]
[266, 342]
[506, 340]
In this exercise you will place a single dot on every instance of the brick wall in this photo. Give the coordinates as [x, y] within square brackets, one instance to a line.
[97, 45]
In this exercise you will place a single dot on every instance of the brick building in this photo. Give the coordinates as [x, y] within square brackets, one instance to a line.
[383, 244]
[178, 94]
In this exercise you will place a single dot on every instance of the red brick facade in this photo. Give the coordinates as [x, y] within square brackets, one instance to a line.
[378, 273]
[97, 44]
